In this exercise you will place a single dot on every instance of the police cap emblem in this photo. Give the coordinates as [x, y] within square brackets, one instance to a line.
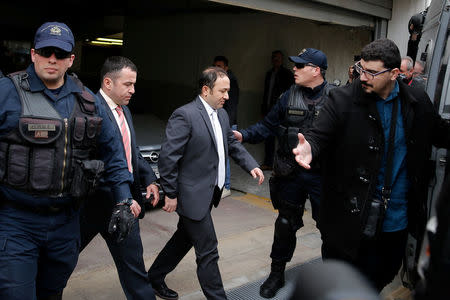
[55, 30]
[301, 52]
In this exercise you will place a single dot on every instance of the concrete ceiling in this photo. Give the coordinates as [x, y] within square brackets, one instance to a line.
[87, 19]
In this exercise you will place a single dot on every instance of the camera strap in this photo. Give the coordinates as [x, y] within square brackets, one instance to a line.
[387, 188]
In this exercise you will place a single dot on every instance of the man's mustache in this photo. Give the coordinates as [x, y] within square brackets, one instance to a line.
[366, 84]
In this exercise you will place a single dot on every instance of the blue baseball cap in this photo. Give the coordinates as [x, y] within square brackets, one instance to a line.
[312, 56]
[54, 34]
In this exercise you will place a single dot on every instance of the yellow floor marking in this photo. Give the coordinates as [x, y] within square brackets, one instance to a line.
[255, 200]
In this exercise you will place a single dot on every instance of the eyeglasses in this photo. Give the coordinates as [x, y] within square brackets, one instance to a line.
[302, 65]
[48, 51]
[368, 74]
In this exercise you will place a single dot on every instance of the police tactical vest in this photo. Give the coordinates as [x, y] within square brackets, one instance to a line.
[299, 117]
[42, 154]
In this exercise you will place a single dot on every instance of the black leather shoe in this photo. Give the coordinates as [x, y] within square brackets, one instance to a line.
[273, 283]
[162, 291]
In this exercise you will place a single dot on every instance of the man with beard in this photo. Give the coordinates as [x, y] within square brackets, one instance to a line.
[375, 176]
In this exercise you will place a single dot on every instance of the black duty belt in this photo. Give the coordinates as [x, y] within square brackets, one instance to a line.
[42, 210]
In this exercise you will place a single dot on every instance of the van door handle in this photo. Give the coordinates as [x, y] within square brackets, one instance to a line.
[442, 161]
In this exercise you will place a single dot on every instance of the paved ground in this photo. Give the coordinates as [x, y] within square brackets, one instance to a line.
[244, 225]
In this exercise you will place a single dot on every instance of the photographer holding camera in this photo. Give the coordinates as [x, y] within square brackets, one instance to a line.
[374, 138]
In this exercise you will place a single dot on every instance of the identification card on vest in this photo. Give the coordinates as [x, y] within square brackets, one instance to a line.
[41, 130]
[297, 112]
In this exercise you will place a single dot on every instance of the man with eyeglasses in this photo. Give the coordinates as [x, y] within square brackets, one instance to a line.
[55, 142]
[367, 162]
[290, 185]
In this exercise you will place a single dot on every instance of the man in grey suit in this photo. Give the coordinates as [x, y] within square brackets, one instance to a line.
[192, 169]
[118, 76]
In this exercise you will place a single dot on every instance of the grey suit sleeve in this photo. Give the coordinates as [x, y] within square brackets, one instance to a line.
[177, 135]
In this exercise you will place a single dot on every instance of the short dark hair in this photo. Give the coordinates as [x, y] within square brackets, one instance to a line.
[114, 64]
[221, 58]
[384, 50]
[277, 52]
[209, 77]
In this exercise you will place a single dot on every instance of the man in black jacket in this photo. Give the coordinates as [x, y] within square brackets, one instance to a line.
[351, 136]
[231, 107]
[118, 77]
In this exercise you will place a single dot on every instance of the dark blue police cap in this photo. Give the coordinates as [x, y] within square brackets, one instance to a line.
[312, 56]
[54, 34]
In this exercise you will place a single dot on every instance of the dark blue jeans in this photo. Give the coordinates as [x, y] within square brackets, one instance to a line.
[227, 183]
[38, 253]
[294, 191]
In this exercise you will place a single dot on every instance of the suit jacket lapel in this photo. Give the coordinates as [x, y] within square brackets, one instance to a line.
[127, 113]
[206, 119]
[108, 110]
[130, 126]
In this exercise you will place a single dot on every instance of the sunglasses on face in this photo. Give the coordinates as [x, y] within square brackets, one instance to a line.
[368, 74]
[48, 51]
[302, 65]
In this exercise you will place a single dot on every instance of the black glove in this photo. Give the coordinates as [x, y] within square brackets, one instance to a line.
[122, 220]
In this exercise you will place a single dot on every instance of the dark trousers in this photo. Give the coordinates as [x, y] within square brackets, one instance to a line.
[293, 191]
[269, 150]
[38, 253]
[127, 255]
[379, 260]
[202, 236]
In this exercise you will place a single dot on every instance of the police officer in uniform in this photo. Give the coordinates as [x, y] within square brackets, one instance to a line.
[290, 185]
[55, 142]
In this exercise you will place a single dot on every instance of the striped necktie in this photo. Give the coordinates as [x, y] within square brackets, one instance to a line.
[125, 136]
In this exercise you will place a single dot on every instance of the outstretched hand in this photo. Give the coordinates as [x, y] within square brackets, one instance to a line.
[302, 152]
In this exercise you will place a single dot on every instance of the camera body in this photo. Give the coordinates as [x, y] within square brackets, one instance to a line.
[372, 218]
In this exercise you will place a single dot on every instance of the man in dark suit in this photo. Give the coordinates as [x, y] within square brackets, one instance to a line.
[278, 79]
[118, 76]
[192, 169]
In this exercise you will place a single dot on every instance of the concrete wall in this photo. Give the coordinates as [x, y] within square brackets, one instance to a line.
[171, 51]
[402, 11]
